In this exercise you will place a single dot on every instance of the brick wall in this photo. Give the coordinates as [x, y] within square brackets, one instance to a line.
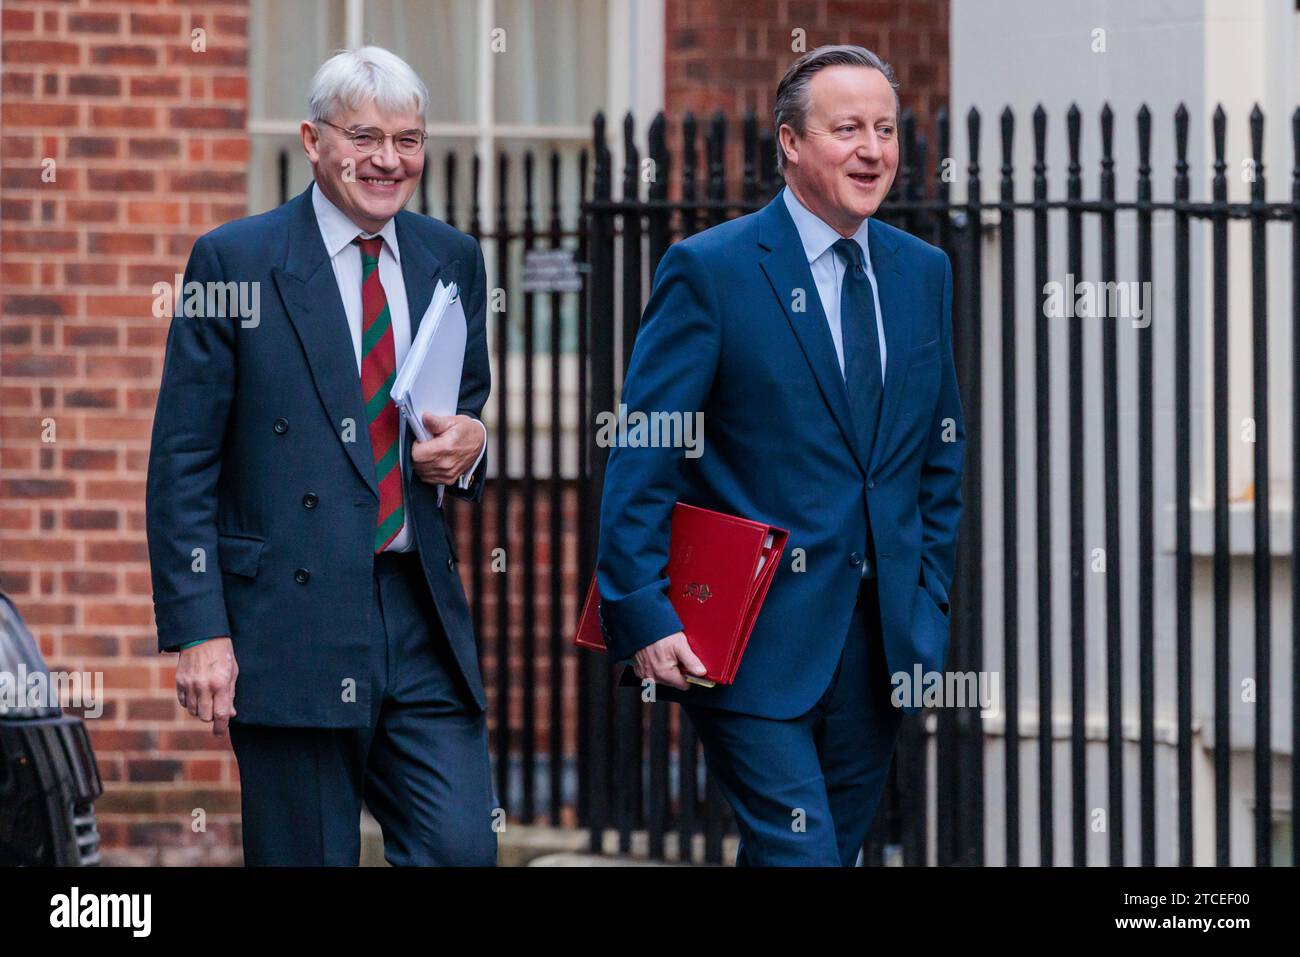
[729, 55]
[149, 149]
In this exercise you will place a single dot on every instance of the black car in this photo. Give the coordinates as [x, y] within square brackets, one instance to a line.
[48, 777]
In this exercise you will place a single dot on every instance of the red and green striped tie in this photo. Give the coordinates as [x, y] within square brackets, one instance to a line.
[378, 369]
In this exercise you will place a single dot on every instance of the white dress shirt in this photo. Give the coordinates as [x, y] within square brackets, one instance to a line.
[828, 269]
[338, 231]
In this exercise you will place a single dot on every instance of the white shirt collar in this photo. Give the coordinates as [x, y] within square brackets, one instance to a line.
[816, 234]
[338, 231]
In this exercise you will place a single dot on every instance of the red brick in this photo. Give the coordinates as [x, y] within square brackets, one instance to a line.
[156, 24]
[205, 181]
[116, 54]
[94, 23]
[90, 274]
[205, 118]
[155, 86]
[90, 583]
[44, 52]
[121, 181]
[152, 213]
[118, 367]
[93, 84]
[119, 490]
[16, 82]
[91, 210]
[90, 398]
[115, 552]
[40, 115]
[32, 550]
[94, 146]
[39, 305]
[130, 117]
[83, 519]
[17, 21]
[121, 614]
[42, 366]
[120, 243]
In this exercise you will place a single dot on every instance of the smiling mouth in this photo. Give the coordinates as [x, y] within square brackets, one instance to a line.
[375, 182]
[866, 179]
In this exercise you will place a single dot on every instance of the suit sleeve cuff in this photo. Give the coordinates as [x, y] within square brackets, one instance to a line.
[189, 644]
[464, 480]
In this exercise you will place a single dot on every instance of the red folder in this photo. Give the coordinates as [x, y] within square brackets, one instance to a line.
[719, 570]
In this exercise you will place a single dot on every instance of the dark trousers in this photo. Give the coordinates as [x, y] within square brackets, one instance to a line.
[421, 766]
[805, 790]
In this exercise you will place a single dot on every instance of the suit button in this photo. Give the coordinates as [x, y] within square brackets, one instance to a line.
[281, 426]
[855, 559]
[310, 500]
[301, 576]
[871, 483]
[451, 564]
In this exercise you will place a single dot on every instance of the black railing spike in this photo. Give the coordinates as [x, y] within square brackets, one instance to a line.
[555, 188]
[1008, 135]
[973, 141]
[449, 173]
[1073, 123]
[631, 162]
[943, 145]
[920, 185]
[767, 162]
[476, 172]
[1257, 138]
[282, 162]
[528, 188]
[657, 149]
[1180, 135]
[749, 170]
[1040, 140]
[1295, 145]
[1144, 140]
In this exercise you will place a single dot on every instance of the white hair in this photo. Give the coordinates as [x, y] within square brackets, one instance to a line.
[351, 78]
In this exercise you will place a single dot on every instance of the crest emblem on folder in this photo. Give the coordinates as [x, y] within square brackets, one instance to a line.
[697, 591]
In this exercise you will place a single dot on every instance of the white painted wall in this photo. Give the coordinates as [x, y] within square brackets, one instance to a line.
[1160, 52]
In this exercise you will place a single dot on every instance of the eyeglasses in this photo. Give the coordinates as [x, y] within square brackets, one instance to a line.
[367, 139]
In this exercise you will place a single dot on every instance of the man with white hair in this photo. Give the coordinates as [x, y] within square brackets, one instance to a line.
[296, 533]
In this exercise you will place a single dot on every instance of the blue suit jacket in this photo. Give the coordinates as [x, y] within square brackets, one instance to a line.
[252, 425]
[735, 328]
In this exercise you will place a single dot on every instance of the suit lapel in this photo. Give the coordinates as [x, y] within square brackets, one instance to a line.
[890, 287]
[315, 308]
[421, 269]
[787, 270]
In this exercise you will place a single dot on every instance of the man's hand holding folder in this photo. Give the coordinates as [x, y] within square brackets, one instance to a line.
[668, 661]
[719, 569]
[453, 450]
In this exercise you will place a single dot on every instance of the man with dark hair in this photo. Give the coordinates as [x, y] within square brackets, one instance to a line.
[817, 343]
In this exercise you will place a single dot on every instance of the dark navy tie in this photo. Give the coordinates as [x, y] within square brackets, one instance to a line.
[862, 376]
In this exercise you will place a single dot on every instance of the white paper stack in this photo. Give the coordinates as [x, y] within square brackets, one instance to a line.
[429, 379]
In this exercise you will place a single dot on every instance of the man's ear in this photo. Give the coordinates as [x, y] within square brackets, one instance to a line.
[310, 141]
[788, 140]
